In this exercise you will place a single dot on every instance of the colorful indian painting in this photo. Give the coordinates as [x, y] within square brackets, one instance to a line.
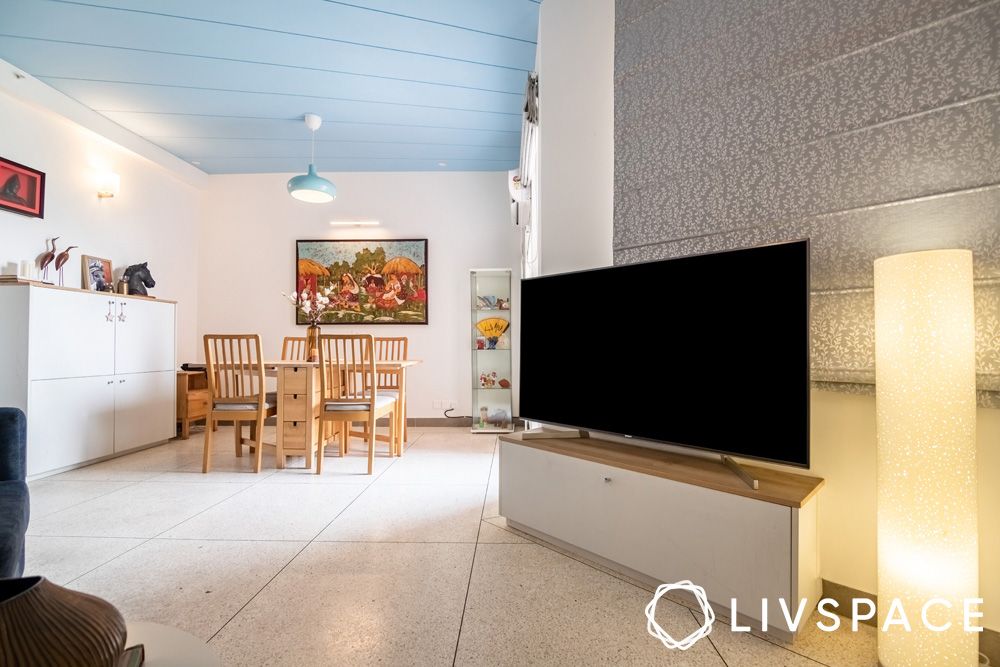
[368, 282]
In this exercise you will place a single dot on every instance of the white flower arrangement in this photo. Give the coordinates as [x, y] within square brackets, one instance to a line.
[312, 305]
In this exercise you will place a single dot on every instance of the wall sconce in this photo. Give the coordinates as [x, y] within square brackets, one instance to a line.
[925, 388]
[354, 223]
[108, 184]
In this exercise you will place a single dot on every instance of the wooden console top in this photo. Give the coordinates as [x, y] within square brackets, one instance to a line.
[776, 486]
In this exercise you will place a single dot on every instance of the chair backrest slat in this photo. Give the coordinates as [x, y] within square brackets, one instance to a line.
[239, 351]
[234, 367]
[347, 368]
[390, 348]
[293, 348]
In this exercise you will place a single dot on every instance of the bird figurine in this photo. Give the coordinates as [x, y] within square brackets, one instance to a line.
[61, 260]
[46, 259]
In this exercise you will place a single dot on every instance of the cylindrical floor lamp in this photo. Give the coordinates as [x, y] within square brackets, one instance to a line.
[925, 384]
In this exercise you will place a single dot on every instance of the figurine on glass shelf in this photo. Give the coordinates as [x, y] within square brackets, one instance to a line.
[488, 380]
[484, 413]
[499, 418]
[490, 302]
[493, 328]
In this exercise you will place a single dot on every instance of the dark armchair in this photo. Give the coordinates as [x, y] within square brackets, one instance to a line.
[13, 491]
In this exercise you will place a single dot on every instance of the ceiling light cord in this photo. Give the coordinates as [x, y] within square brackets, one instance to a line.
[311, 187]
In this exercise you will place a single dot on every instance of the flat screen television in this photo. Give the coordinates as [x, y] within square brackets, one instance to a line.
[709, 351]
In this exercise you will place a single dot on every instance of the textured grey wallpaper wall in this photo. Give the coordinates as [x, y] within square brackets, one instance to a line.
[871, 127]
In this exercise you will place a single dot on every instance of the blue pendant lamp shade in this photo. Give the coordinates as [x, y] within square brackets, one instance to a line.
[311, 187]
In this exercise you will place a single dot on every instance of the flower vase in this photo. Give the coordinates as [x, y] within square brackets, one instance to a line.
[312, 342]
[46, 624]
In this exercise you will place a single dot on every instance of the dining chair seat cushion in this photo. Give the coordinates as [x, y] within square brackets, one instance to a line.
[381, 401]
[270, 401]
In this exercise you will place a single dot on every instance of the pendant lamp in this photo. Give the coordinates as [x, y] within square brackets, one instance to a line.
[311, 187]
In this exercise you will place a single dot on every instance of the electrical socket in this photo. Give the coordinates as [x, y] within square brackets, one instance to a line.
[450, 404]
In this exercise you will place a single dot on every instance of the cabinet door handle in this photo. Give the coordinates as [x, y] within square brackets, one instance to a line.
[121, 315]
[121, 381]
[110, 317]
[111, 381]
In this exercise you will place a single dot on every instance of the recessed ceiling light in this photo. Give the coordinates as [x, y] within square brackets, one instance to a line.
[195, 162]
[442, 164]
[354, 223]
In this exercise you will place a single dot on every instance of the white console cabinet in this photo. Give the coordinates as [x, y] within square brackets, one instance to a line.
[666, 517]
[94, 372]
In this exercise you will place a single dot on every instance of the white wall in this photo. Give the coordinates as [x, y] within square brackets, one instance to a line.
[575, 62]
[248, 259]
[155, 218]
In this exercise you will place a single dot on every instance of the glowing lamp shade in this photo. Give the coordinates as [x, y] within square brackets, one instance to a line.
[925, 384]
[312, 187]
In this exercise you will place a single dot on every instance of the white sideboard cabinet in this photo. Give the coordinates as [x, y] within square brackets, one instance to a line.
[94, 372]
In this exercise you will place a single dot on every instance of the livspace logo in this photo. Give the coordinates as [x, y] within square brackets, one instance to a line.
[653, 628]
[862, 609]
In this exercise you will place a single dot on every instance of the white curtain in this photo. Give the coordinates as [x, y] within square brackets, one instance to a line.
[524, 202]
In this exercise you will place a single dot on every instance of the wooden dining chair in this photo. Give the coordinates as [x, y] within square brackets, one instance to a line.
[293, 348]
[349, 391]
[236, 384]
[393, 348]
[388, 348]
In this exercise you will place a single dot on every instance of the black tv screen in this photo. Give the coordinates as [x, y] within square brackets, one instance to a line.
[709, 351]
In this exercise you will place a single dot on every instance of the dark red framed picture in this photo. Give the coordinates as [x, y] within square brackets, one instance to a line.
[22, 189]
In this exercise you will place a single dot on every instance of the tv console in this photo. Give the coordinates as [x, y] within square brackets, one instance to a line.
[662, 517]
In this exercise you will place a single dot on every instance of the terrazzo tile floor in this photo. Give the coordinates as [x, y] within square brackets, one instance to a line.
[411, 566]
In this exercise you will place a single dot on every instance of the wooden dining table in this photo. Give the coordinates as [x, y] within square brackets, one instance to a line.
[300, 405]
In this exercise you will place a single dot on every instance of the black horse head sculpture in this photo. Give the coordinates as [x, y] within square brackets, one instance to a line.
[138, 278]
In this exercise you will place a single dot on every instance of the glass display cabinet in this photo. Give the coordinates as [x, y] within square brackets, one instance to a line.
[492, 397]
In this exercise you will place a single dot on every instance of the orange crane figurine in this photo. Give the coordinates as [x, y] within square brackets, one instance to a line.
[61, 260]
[46, 259]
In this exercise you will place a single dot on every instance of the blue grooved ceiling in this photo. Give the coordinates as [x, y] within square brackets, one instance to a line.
[401, 85]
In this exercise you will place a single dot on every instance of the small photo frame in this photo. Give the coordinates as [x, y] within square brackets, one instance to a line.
[22, 189]
[96, 273]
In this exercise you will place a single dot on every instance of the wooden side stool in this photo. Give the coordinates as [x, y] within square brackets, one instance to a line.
[193, 399]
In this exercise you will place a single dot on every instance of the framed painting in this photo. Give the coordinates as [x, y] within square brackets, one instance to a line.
[96, 273]
[381, 281]
[22, 189]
